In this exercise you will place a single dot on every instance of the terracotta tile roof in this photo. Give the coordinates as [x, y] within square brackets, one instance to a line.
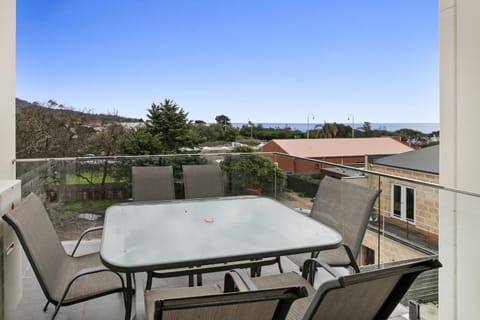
[341, 147]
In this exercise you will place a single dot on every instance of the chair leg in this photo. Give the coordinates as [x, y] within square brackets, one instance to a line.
[134, 288]
[255, 271]
[125, 299]
[134, 282]
[46, 306]
[308, 272]
[190, 280]
[199, 279]
[129, 296]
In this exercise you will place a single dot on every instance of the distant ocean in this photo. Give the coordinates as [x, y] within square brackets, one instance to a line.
[422, 127]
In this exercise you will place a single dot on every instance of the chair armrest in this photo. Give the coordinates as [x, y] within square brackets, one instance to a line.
[310, 268]
[87, 231]
[237, 280]
[351, 258]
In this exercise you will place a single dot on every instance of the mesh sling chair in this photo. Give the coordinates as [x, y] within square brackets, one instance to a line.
[196, 178]
[64, 279]
[202, 181]
[152, 183]
[240, 299]
[361, 296]
[346, 208]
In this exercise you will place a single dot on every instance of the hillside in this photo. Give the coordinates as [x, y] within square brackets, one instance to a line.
[19, 103]
[85, 116]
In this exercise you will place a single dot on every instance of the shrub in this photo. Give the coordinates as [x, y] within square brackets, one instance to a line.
[252, 171]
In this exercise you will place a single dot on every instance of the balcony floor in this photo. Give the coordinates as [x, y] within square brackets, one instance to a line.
[111, 307]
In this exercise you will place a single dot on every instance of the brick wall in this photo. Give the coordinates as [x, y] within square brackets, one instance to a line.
[306, 166]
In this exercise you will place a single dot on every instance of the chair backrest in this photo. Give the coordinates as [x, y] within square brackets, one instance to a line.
[152, 183]
[203, 181]
[366, 296]
[345, 207]
[258, 304]
[43, 248]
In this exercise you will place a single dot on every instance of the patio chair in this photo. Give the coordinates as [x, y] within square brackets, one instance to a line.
[346, 208]
[64, 279]
[240, 299]
[361, 296]
[152, 183]
[203, 181]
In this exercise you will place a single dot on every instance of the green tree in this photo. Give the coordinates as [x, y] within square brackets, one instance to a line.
[223, 120]
[140, 141]
[328, 130]
[228, 132]
[259, 132]
[207, 132]
[221, 130]
[366, 130]
[251, 130]
[169, 123]
[333, 130]
[413, 136]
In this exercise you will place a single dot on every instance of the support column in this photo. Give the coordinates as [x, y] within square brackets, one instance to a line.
[459, 154]
[7, 87]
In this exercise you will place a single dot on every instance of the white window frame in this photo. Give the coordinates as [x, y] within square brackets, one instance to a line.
[403, 203]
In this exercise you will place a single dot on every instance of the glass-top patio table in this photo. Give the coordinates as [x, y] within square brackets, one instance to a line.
[148, 236]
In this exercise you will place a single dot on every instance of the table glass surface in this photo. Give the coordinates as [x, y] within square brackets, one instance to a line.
[181, 233]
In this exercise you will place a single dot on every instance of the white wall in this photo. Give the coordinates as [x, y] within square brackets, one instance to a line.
[7, 88]
[459, 155]
[7, 150]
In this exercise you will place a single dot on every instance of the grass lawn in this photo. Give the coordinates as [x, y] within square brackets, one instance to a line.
[95, 206]
[88, 178]
[95, 178]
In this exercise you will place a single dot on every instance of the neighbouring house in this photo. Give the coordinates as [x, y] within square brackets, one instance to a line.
[409, 211]
[337, 150]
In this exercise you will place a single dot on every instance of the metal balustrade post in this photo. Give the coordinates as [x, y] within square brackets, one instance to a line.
[380, 219]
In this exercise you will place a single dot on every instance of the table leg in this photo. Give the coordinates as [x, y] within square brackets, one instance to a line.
[191, 280]
[148, 286]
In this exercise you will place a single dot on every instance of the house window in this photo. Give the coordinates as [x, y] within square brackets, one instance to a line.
[403, 202]
[367, 256]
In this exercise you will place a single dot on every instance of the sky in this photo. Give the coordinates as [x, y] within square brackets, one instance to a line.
[281, 61]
